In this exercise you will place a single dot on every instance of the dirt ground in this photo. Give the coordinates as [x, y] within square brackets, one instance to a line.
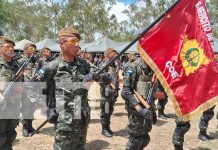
[160, 135]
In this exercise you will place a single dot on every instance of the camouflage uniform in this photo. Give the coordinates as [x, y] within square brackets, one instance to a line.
[183, 127]
[108, 98]
[203, 124]
[137, 76]
[27, 106]
[161, 103]
[70, 132]
[7, 126]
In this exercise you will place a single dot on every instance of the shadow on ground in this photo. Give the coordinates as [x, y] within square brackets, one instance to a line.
[214, 134]
[48, 131]
[201, 148]
[122, 133]
[160, 122]
[120, 114]
[95, 121]
[97, 145]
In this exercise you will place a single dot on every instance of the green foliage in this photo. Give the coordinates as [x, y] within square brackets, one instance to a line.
[39, 19]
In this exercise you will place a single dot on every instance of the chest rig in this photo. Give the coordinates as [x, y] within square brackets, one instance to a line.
[144, 80]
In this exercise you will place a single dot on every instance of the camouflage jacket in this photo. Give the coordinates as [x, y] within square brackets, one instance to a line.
[137, 76]
[63, 76]
[114, 72]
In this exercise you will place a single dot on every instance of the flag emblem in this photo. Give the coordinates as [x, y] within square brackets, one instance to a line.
[192, 56]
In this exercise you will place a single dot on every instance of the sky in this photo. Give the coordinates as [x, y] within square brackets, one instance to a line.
[117, 9]
[126, 1]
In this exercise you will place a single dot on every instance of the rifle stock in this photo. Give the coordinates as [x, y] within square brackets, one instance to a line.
[141, 99]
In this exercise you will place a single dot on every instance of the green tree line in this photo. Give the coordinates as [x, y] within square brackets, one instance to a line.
[39, 19]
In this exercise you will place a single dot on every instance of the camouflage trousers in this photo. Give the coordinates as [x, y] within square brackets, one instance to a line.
[107, 108]
[183, 127]
[70, 133]
[7, 133]
[205, 118]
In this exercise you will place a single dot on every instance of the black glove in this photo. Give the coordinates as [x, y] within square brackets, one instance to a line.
[52, 115]
[146, 113]
[110, 92]
[89, 77]
[106, 78]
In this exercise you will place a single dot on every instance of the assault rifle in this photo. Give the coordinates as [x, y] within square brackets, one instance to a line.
[14, 79]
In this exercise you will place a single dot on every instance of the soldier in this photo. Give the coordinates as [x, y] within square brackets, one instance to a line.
[183, 126]
[27, 107]
[161, 104]
[137, 76]
[108, 93]
[45, 57]
[7, 70]
[70, 132]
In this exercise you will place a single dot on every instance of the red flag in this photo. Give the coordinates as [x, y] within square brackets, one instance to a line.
[179, 50]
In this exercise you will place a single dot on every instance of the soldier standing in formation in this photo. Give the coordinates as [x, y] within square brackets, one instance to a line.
[137, 76]
[109, 93]
[161, 103]
[7, 70]
[27, 106]
[70, 132]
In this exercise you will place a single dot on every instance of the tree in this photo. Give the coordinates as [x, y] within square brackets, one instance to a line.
[89, 17]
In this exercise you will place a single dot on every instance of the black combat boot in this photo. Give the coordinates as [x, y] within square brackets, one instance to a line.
[25, 131]
[30, 127]
[162, 115]
[109, 130]
[106, 132]
[204, 136]
[178, 147]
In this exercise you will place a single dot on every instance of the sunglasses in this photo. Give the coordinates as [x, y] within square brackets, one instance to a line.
[31, 49]
[8, 47]
[71, 41]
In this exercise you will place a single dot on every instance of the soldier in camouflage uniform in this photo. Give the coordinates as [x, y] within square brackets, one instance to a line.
[183, 126]
[45, 57]
[137, 76]
[27, 106]
[108, 93]
[161, 103]
[70, 131]
[7, 70]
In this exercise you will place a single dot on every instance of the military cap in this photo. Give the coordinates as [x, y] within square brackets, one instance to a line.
[109, 50]
[69, 31]
[28, 45]
[4, 39]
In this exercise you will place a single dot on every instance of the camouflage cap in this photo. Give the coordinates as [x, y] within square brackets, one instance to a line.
[28, 45]
[69, 31]
[4, 39]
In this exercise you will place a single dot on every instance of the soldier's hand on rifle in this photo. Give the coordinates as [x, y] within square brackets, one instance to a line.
[89, 77]
[106, 78]
[146, 113]
[52, 115]
[110, 92]
[2, 102]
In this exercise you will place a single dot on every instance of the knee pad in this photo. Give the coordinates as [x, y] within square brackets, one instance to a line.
[3, 139]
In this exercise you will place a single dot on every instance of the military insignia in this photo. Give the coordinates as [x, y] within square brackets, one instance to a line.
[192, 56]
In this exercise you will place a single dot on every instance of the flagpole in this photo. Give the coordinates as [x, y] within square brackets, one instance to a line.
[123, 51]
[137, 38]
